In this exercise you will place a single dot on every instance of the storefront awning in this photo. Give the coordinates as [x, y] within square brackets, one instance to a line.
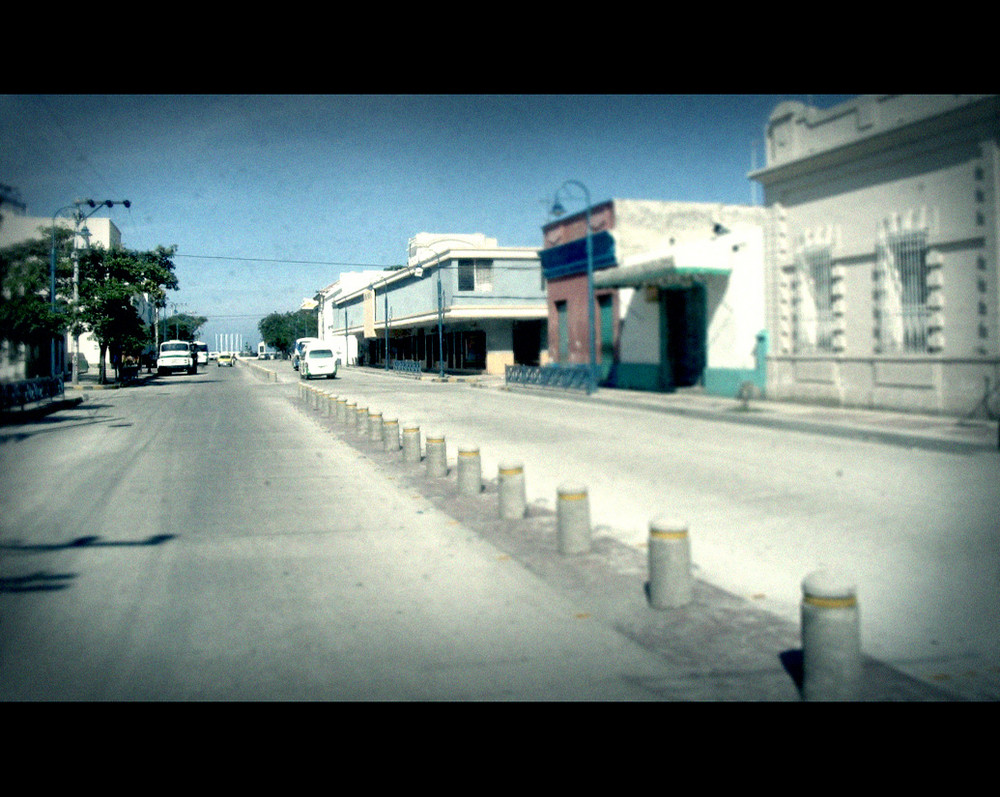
[661, 271]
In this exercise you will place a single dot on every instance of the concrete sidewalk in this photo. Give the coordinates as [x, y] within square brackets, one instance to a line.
[915, 430]
[936, 432]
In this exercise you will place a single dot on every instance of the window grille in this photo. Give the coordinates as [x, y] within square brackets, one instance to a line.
[813, 318]
[903, 312]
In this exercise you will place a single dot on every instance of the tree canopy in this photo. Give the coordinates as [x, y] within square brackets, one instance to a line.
[280, 330]
[26, 313]
[109, 280]
[182, 326]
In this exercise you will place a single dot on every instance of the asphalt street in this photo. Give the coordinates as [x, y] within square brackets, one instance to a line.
[216, 538]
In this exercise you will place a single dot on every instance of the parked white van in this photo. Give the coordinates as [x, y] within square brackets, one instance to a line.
[317, 360]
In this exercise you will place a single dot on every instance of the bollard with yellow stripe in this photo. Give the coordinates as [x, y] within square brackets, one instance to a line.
[437, 459]
[361, 420]
[390, 434]
[669, 563]
[573, 515]
[511, 490]
[375, 426]
[470, 470]
[342, 409]
[411, 442]
[831, 638]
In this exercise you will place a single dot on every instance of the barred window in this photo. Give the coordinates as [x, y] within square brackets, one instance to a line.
[903, 313]
[475, 275]
[813, 321]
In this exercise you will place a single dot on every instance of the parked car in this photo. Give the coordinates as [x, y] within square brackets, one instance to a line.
[297, 349]
[317, 361]
[226, 358]
[176, 355]
[213, 355]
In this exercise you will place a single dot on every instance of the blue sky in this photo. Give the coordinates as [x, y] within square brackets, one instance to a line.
[269, 197]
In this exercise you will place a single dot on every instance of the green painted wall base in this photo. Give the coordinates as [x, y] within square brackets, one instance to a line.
[727, 381]
[636, 376]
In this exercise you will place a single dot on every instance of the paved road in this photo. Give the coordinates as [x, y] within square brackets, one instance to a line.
[915, 524]
[198, 538]
[212, 539]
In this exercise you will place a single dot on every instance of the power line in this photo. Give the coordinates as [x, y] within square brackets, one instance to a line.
[295, 262]
[446, 264]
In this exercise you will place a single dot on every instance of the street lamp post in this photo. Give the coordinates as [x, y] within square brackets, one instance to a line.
[440, 296]
[52, 287]
[558, 210]
[79, 217]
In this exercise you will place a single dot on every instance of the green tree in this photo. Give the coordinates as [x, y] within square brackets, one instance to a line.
[280, 330]
[109, 280]
[26, 313]
[182, 326]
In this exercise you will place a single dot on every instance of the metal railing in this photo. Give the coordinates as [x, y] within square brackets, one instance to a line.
[566, 377]
[410, 367]
[28, 391]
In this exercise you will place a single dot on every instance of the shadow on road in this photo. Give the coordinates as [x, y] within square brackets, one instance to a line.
[91, 541]
[36, 582]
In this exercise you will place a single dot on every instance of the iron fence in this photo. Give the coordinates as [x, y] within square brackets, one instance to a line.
[566, 377]
[410, 367]
[28, 391]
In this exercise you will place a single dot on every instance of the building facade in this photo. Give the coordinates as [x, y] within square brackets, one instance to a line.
[678, 293]
[479, 303]
[16, 362]
[882, 282]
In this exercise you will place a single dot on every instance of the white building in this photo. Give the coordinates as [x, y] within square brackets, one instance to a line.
[332, 323]
[881, 252]
[463, 303]
[17, 229]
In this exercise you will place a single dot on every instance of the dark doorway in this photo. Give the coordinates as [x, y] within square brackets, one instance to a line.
[683, 336]
[527, 342]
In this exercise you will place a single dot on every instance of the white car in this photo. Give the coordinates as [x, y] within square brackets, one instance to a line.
[299, 347]
[317, 361]
[176, 355]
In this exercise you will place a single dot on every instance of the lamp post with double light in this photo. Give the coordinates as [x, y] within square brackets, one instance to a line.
[557, 211]
[79, 217]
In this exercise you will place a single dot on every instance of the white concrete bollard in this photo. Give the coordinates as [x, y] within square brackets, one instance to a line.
[350, 411]
[573, 514]
[411, 442]
[669, 563]
[342, 410]
[831, 638]
[437, 456]
[361, 420]
[331, 405]
[511, 490]
[390, 434]
[375, 426]
[470, 470]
